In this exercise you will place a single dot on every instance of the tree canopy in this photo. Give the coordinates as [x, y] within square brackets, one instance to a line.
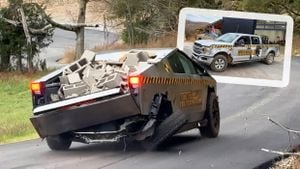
[289, 7]
[13, 42]
[149, 19]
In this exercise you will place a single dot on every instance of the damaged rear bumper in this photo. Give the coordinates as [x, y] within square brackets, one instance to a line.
[64, 120]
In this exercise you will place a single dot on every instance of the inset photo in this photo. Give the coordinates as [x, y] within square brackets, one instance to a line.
[238, 44]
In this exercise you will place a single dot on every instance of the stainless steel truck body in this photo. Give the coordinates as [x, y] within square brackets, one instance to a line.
[159, 96]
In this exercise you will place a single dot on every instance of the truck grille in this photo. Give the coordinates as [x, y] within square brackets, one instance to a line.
[198, 48]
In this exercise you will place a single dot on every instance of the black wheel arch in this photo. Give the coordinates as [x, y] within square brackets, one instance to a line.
[228, 56]
[271, 51]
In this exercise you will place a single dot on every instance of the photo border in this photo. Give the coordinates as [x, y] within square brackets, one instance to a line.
[245, 15]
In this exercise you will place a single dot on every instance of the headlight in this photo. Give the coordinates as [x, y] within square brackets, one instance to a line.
[207, 50]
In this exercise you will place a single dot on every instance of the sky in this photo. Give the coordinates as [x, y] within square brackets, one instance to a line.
[201, 18]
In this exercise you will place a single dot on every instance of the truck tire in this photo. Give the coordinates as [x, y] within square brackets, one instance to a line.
[269, 58]
[164, 130]
[59, 142]
[219, 63]
[212, 114]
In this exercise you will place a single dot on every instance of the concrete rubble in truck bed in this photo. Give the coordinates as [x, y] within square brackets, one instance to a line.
[87, 76]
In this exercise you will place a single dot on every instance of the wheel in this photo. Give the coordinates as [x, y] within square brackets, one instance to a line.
[165, 129]
[219, 63]
[59, 142]
[269, 58]
[212, 114]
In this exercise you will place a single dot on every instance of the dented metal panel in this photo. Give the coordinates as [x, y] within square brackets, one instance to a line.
[78, 117]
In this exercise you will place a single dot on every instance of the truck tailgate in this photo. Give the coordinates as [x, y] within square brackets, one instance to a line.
[64, 120]
[72, 101]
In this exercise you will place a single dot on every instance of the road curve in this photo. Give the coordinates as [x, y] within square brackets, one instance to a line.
[66, 40]
[244, 131]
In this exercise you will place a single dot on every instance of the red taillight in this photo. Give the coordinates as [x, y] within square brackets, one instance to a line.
[36, 87]
[135, 81]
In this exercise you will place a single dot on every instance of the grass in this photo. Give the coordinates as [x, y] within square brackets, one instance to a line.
[16, 107]
[68, 56]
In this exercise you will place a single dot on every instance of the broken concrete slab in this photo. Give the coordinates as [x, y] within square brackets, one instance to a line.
[89, 55]
[89, 80]
[76, 89]
[77, 66]
[109, 69]
[74, 78]
[95, 89]
[100, 83]
[63, 80]
[131, 59]
[113, 81]
[99, 65]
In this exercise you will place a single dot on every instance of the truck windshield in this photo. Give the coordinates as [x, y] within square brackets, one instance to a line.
[228, 37]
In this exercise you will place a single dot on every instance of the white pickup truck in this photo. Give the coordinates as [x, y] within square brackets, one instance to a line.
[232, 48]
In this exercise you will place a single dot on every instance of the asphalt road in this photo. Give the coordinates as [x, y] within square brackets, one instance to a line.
[64, 40]
[256, 70]
[244, 131]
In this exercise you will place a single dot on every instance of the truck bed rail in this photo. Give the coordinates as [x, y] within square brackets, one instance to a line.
[72, 101]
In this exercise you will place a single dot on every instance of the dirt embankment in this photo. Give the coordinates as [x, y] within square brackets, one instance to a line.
[66, 11]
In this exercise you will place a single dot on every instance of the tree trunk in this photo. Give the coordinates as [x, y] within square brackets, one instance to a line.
[79, 43]
[80, 31]
[130, 31]
[20, 66]
[29, 58]
[28, 37]
[5, 61]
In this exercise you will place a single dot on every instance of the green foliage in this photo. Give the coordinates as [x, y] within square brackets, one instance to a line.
[290, 7]
[144, 20]
[140, 36]
[16, 108]
[13, 43]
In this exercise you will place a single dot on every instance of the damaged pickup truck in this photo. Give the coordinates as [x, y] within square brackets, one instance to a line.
[138, 95]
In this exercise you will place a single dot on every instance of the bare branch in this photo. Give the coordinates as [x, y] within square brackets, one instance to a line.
[31, 30]
[68, 27]
[283, 127]
[43, 30]
[15, 23]
[78, 25]
[280, 152]
[286, 7]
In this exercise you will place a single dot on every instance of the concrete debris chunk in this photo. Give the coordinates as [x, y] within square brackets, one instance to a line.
[74, 78]
[77, 66]
[89, 55]
[101, 82]
[89, 80]
[86, 76]
[109, 69]
[74, 90]
[113, 81]
[134, 57]
[63, 80]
